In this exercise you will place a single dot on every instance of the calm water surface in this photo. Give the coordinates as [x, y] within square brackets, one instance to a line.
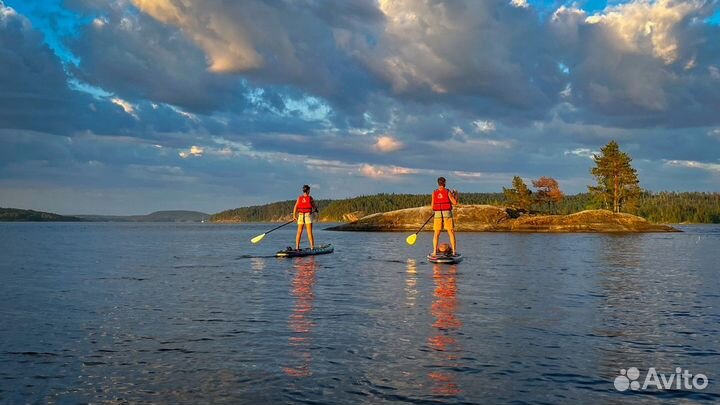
[165, 313]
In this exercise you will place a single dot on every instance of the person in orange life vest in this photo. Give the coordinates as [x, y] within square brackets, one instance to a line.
[442, 204]
[303, 212]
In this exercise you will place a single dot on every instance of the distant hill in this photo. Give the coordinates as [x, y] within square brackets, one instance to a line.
[20, 215]
[158, 216]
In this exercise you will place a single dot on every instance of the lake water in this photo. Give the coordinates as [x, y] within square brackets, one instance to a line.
[168, 314]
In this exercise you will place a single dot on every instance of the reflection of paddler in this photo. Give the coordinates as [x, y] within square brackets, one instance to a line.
[444, 309]
[300, 322]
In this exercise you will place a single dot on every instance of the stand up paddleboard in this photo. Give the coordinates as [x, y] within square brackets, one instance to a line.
[446, 259]
[319, 250]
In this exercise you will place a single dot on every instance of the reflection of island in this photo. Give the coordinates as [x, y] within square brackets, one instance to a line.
[444, 309]
[300, 322]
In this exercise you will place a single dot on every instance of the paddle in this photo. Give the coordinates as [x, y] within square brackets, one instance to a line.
[412, 238]
[260, 237]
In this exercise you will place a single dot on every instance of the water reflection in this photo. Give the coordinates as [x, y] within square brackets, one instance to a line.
[444, 309]
[640, 287]
[411, 283]
[257, 264]
[300, 321]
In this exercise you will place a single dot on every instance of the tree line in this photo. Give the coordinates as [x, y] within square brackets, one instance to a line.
[666, 207]
[617, 188]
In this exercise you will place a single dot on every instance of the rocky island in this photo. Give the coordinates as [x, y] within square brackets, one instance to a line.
[489, 218]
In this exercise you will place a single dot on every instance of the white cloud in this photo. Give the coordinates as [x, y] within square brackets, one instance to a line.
[520, 3]
[99, 22]
[468, 175]
[582, 152]
[191, 117]
[194, 151]
[645, 26]
[126, 106]
[710, 167]
[375, 171]
[714, 72]
[6, 12]
[484, 126]
[567, 92]
[387, 143]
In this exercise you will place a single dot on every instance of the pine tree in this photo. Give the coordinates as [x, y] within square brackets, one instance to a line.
[617, 181]
[519, 196]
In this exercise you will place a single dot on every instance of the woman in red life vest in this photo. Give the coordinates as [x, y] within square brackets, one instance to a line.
[303, 212]
[442, 204]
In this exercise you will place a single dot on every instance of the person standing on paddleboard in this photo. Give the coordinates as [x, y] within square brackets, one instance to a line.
[443, 201]
[303, 212]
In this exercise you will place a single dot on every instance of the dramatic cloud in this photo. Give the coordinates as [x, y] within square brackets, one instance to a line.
[149, 97]
[641, 63]
[650, 28]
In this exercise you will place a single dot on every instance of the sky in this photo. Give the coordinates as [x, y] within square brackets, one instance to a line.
[131, 106]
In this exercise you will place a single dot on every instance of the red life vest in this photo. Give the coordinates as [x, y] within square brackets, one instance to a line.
[304, 204]
[442, 200]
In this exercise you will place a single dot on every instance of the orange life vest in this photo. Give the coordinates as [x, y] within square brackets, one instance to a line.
[441, 202]
[304, 204]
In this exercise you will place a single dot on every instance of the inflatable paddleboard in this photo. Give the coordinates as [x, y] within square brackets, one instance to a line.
[442, 258]
[319, 250]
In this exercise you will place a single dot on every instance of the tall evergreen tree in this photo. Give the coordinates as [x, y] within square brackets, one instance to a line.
[519, 196]
[617, 180]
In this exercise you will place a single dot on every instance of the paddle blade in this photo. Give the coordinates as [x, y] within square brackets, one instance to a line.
[411, 239]
[257, 238]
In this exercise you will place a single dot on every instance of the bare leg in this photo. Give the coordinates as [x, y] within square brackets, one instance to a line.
[453, 244]
[436, 239]
[298, 236]
[310, 236]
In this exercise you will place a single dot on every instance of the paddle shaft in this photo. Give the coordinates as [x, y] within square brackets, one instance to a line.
[280, 226]
[426, 222]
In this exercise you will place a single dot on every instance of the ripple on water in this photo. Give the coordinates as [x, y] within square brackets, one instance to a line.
[179, 314]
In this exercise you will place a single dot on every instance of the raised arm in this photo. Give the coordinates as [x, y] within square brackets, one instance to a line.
[453, 197]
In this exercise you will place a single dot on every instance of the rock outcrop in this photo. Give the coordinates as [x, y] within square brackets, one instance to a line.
[488, 218]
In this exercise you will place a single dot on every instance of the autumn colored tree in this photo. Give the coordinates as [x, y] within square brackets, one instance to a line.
[548, 192]
[519, 196]
[617, 181]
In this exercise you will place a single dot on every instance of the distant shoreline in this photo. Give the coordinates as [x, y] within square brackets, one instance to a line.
[23, 215]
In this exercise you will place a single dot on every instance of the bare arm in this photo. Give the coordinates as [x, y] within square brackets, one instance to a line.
[453, 197]
[295, 210]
